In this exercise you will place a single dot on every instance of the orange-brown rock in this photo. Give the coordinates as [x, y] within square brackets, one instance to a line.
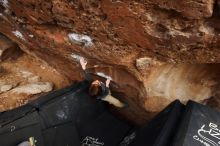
[188, 8]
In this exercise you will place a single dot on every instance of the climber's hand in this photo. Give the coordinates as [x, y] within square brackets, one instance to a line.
[107, 82]
[83, 63]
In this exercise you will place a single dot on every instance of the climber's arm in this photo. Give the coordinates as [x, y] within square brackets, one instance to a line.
[107, 82]
[105, 91]
[83, 64]
[87, 76]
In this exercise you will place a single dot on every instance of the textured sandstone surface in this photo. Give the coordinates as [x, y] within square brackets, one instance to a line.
[150, 48]
[23, 78]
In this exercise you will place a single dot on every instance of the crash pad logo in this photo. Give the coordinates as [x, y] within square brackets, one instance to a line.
[209, 135]
[90, 141]
[128, 139]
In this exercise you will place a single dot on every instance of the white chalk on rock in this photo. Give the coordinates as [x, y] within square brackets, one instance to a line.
[4, 3]
[104, 75]
[80, 39]
[31, 35]
[18, 34]
[76, 57]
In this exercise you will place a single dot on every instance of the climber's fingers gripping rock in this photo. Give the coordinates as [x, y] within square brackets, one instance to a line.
[83, 63]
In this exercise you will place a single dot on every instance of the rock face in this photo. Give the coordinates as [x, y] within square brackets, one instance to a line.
[194, 9]
[23, 78]
[132, 41]
[34, 88]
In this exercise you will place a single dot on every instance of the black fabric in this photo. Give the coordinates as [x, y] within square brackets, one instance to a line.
[51, 113]
[12, 115]
[106, 130]
[62, 135]
[199, 126]
[55, 94]
[25, 121]
[22, 134]
[76, 106]
[105, 91]
[159, 131]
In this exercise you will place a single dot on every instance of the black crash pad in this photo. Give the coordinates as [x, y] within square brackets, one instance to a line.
[159, 131]
[62, 135]
[21, 129]
[75, 107]
[12, 115]
[200, 126]
[51, 113]
[13, 138]
[53, 95]
[25, 121]
[105, 130]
